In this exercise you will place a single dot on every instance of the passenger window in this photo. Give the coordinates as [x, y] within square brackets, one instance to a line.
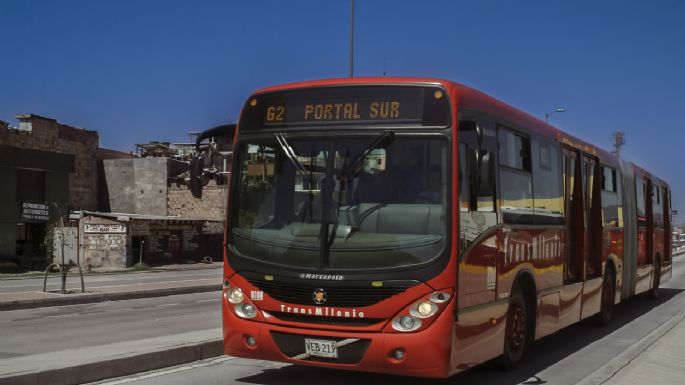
[515, 178]
[610, 204]
[547, 183]
[641, 196]
[657, 208]
[514, 150]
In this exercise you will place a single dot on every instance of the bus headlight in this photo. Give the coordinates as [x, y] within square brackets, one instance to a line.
[246, 310]
[420, 313]
[235, 296]
[426, 309]
[406, 323]
[423, 309]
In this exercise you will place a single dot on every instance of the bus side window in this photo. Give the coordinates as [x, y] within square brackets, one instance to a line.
[610, 202]
[548, 194]
[516, 188]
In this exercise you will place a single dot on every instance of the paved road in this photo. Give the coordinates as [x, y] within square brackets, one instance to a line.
[58, 328]
[563, 358]
[92, 282]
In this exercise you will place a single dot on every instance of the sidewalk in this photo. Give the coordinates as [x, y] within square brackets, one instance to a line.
[657, 359]
[663, 362]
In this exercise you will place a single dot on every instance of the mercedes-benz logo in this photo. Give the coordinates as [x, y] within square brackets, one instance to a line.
[319, 296]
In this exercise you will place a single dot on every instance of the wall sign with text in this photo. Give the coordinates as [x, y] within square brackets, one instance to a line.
[35, 212]
[100, 228]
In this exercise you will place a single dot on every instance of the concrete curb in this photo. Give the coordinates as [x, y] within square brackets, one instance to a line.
[608, 370]
[118, 367]
[77, 299]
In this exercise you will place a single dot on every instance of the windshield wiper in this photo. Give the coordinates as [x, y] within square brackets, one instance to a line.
[353, 168]
[292, 156]
[290, 153]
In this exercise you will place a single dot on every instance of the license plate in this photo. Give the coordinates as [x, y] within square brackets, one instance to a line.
[321, 348]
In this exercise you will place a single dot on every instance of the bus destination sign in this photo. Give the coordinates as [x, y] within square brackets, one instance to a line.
[350, 105]
[338, 111]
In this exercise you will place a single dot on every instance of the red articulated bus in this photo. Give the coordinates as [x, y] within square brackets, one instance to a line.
[420, 227]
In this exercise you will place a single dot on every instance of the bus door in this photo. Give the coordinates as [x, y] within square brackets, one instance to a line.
[649, 251]
[593, 205]
[575, 218]
[666, 199]
[478, 242]
[593, 236]
[645, 233]
[574, 257]
[478, 245]
[645, 228]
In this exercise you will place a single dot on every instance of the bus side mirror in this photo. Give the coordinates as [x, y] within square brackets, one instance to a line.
[485, 173]
[472, 125]
[197, 165]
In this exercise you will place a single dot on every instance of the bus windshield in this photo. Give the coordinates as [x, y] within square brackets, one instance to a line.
[341, 203]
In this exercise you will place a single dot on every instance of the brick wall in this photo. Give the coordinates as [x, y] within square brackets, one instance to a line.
[49, 135]
[211, 207]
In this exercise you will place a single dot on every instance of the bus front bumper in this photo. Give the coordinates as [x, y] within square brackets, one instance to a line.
[423, 354]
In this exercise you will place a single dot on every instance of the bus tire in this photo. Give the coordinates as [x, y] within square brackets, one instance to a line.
[606, 311]
[656, 281]
[517, 335]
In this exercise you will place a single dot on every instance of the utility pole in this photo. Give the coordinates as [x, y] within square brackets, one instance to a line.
[351, 38]
[618, 139]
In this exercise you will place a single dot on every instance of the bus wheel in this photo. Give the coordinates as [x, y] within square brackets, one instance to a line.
[608, 298]
[654, 293]
[517, 332]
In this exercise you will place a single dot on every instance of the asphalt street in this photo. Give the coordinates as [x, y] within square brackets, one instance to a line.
[57, 328]
[563, 358]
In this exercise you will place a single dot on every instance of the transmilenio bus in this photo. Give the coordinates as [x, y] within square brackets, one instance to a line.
[420, 227]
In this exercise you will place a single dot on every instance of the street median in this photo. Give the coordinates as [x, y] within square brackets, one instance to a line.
[28, 300]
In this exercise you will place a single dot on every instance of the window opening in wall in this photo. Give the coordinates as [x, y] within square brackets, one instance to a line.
[30, 185]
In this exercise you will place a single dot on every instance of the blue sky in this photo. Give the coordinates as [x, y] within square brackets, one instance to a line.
[154, 70]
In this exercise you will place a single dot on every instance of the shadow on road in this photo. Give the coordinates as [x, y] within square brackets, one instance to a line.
[546, 352]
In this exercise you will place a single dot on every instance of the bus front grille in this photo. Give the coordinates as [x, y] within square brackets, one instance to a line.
[340, 296]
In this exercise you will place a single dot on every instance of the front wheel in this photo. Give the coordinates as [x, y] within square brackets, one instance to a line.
[517, 336]
[654, 293]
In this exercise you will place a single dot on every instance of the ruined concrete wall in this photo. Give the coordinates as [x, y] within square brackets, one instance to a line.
[103, 250]
[137, 186]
